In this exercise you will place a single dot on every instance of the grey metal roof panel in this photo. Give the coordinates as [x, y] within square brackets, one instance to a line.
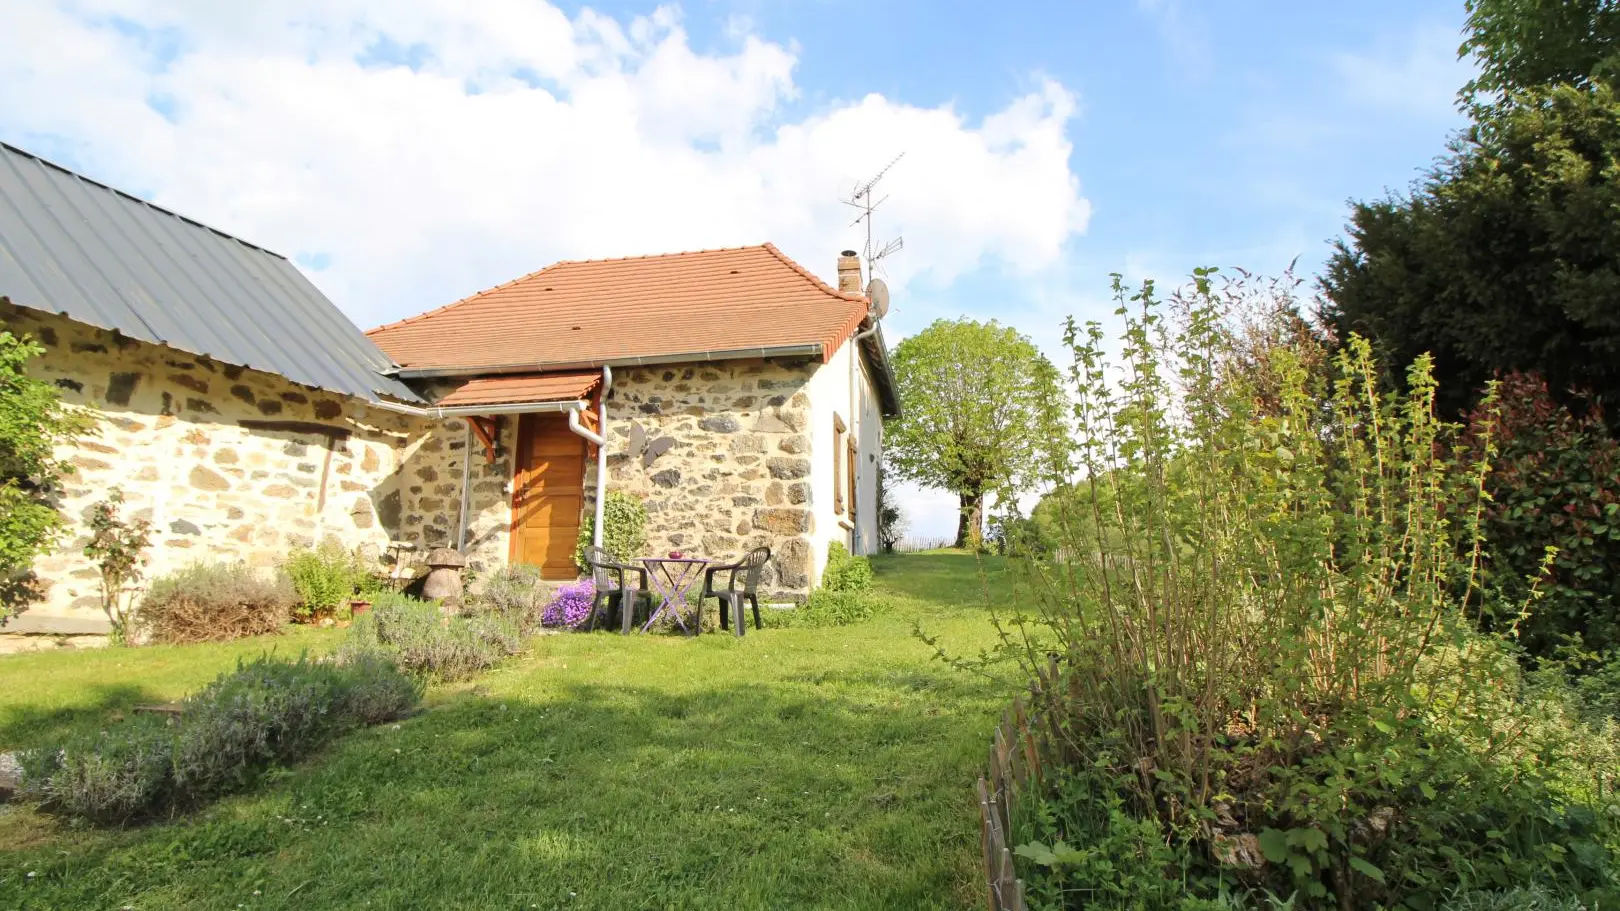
[72, 246]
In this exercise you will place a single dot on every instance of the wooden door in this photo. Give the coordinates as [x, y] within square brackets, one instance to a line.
[548, 493]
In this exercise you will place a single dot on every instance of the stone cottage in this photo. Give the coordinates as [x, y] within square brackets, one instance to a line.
[243, 415]
[742, 398]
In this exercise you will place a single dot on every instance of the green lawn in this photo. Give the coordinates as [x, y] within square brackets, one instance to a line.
[797, 768]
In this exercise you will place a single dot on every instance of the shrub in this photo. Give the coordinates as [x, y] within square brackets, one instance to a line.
[513, 592]
[1555, 480]
[891, 521]
[213, 602]
[571, 605]
[1079, 833]
[844, 572]
[1525, 898]
[1018, 536]
[1263, 609]
[325, 578]
[374, 689]
[424, 642]
[267, 711]
[371, 583]
[624, 531]
[119, 549]
[111, 778]
[832, 608]
[34, 428]
[844, 597]
[1597, 688]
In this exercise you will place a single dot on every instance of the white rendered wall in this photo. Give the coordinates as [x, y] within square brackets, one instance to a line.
[843, 387]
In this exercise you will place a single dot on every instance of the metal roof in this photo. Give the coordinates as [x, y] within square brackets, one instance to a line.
[72, 246]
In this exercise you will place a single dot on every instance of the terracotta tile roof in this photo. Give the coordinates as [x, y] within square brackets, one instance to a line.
[522, 387]
[587, 312]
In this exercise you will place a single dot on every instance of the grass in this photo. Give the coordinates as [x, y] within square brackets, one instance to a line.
[796, 768]
[47, 695]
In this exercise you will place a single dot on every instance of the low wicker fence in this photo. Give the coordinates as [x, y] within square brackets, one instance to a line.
[1027, 740]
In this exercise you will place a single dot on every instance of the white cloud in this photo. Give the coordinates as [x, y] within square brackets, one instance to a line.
[517, 137]
[1185, 34]
[1417, 75]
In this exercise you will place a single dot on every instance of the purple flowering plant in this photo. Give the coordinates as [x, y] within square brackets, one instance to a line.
[571, 605]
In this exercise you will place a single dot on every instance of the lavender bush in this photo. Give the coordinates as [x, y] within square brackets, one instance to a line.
[571, 606]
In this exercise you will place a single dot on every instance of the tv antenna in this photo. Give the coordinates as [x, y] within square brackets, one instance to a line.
[864, 197]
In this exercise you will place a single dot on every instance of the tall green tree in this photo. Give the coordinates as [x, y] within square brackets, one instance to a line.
[1505, 258]
[1505, 261]
[975, 400]
[33, 421]
[1528, 44]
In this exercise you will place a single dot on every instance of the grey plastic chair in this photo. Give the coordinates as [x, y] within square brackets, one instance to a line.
[731, 598]
[608, 575]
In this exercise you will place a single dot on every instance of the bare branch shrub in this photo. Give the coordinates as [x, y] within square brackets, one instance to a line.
[214, 602]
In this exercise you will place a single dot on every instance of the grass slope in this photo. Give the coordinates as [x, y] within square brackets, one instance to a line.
[46, 695]
[796, 768]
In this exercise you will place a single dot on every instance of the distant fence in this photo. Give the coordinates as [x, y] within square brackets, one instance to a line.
[1025, 742]
[914, 545]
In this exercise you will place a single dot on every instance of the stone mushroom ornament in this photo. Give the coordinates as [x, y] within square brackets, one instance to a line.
[443, 583]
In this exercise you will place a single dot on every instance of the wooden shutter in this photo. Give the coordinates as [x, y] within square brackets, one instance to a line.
[838, 465]
[853, 461]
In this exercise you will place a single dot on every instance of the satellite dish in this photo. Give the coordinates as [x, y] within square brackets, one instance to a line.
[878, 293]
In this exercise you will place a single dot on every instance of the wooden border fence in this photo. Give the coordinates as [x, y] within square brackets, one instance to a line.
[1027, 739]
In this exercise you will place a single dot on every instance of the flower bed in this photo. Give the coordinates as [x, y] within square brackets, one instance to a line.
[570, 606]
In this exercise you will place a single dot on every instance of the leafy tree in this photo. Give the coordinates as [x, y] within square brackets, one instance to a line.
[1527, 44]
[1507, 257]
[975, 399]
[33, 421]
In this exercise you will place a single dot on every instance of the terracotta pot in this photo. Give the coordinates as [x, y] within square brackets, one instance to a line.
[356, 608]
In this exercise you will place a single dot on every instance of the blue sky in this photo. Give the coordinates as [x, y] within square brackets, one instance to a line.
[1206, 132]
[1230, 134]
[410, 153]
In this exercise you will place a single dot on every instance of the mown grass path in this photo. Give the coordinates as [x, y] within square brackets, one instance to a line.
[797, 768]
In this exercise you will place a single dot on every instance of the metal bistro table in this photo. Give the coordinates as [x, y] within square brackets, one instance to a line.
[670, 577]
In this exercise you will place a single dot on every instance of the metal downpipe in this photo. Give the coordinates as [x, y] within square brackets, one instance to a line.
[601, 454]
[599, 437]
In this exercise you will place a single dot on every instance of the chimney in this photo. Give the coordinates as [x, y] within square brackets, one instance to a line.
[849, 272]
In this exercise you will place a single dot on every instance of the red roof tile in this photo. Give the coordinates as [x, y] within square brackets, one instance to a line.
[580, 313]
[522, 387]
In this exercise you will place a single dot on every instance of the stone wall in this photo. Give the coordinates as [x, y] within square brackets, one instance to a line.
[720, 453]
[234, 464]
[428, 500]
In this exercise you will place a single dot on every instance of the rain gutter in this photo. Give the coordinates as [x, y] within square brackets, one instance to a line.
[434, 411]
